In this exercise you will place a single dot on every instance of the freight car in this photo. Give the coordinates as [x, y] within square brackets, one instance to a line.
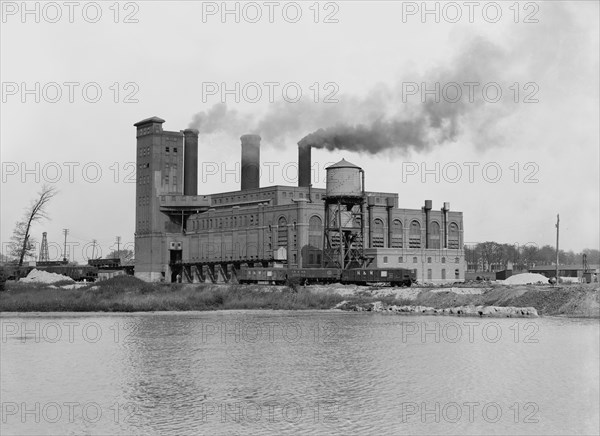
[393, 276]
[76, 272]
[359, 276]
[269, 276]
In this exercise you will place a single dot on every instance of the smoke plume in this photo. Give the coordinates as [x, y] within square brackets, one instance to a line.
[383, 120]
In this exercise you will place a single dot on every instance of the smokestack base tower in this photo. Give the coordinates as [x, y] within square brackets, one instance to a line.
[190, 162]
[304, 164]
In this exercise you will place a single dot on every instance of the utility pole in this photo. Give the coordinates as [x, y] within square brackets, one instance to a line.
[65, 232]
[557, 229]
[119, 247]
[93, 248]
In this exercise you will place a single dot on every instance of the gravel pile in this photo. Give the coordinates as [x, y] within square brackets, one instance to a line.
[525, 279]
[37, 276]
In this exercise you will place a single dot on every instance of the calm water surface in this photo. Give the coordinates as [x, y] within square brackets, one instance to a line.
[273, 372]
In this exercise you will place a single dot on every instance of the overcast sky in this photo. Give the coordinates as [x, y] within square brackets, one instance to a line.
[509, 162]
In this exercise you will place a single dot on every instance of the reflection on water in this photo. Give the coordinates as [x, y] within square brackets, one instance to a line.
[276, 372]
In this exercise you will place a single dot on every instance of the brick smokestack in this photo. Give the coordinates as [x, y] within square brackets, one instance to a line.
[304, 163]
[250, 161]
[190, 162]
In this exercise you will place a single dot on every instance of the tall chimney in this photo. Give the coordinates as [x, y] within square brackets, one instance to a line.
[427, 209]
[190, 162]
[250, 161]
[304, 163]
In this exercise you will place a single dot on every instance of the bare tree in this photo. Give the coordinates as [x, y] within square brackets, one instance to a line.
[22, 242]
[125, 255]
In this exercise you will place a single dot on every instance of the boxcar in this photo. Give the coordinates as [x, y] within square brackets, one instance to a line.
[271, 276]
[314, 275]
[393, 276]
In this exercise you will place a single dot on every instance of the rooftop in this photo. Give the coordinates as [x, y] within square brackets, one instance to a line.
[343, 164]
[149, 120]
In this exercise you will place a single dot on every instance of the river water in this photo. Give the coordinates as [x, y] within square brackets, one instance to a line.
[308, 372]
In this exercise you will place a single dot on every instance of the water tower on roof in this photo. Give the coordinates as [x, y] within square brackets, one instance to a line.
[344, 212]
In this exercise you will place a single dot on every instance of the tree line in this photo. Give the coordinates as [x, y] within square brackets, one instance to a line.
[493, 256]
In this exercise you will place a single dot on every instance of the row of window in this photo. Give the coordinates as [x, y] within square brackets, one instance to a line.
[167, 149]
[315, 195]
[415, 227]
[415, 259]
[263, 195]
[415, 235]
[227, 222]
[239, 198]
[443, 277]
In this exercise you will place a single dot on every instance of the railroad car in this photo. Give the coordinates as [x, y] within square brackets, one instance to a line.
[270, 276]
[76, 272]
[306, 276]
[393, 276]
[314, 275]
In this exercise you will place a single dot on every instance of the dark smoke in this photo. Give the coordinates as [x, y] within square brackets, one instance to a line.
[379, 136]
[416, 125]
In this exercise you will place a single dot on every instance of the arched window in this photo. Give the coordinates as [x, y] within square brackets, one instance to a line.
[434, 235]
[453, 236]
[397, 238]
[282, 232]
[414, 239]
[315, 223]
[378, 234]
[315, 231]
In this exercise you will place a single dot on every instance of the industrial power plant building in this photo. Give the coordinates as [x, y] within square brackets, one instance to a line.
[180, 235]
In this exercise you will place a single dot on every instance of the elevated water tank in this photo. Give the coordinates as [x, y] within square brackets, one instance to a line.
[343, 180]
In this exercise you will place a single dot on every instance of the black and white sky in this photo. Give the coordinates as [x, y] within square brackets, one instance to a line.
[491, 106]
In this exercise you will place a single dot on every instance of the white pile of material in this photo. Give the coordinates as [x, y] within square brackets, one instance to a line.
[74, 285]
[460, 291]
[570, 280]
[37, 276]
[525, 279]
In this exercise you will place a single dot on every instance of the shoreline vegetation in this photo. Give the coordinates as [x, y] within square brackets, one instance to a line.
[128, 294]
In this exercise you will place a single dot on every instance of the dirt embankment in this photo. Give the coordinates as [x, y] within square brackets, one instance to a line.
[576, 300]
[126, 294]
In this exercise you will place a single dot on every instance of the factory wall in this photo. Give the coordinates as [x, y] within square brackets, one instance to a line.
[254, 233]
[276, 224]
[433, 265]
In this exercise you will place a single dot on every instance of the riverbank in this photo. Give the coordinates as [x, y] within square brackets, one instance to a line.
[127, 294]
